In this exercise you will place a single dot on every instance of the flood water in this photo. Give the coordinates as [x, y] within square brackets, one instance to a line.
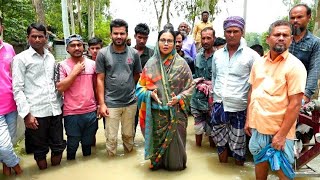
[202, 163]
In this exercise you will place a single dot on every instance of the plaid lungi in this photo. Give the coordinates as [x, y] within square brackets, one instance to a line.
[228, 129]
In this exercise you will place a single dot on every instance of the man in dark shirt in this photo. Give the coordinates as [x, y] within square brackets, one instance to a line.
[306, 47]
[201, 101]
[179, 45]
[141, 35]
[118, 70]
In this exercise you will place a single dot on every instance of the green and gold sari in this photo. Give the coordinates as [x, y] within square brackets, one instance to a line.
[164, 126]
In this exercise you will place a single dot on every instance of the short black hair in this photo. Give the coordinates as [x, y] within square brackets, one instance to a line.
[179, 33]
[95, 41]
[203, 12]
[304, 5]
[209, 28]
[258, 48]
[37, 26]
[219, 41]
[142, 28]
[119, 23]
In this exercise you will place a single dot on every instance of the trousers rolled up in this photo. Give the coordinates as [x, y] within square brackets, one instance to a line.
[80, 128]
[8, 127]
[126, 117]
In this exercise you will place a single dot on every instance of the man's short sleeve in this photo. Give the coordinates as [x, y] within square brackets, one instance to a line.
[137, 64]
[100, 62]
[296, 79]
[62, 71]
[253, 72]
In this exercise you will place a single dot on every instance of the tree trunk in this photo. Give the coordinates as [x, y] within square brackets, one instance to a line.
[168, 10]
[159, 14]
[38, 6]
[90, 19]
[316, 30]
[193, 20]
[79, 16]
[70, 8]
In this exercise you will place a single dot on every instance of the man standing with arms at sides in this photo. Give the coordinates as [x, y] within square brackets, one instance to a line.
[36, 97]
[306, 47]
[118, 70]
[200, 106]
[277, 86]
[198, 28]
[231, 66]
[95, 44]
[77, 76]
[179, 44]
[141, 35]
[8, 110]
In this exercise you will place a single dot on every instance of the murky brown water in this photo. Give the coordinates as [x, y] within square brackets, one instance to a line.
[202, 164]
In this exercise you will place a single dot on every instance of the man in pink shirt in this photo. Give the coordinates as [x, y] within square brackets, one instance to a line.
[77, 76]
[8, 110]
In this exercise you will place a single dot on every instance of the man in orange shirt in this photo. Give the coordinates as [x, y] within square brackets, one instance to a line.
[198, 28]
[277, 87]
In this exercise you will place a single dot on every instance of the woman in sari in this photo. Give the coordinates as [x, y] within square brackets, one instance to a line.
[164, 92]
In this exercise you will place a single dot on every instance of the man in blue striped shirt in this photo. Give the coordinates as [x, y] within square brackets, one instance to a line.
[306, 47]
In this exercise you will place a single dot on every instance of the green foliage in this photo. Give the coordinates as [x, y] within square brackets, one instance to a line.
[53, 11]
[18, 15]
[253, 38]
[193, 8]
[102, 29]
[264, 42]
[54, 16]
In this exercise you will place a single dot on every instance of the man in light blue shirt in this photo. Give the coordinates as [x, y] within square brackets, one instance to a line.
[231, 68]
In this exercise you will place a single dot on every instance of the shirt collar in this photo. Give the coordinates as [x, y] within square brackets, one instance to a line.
[279, 58]
[113, 51]
[34, 52]
[202, 54]
[225, 47]
[146, 51]
[205, 22]
[307, 35]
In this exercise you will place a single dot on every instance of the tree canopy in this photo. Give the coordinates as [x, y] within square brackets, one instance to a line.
[18, 14]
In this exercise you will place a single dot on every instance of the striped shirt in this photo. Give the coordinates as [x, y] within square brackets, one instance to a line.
[307, 50]
[33, 84]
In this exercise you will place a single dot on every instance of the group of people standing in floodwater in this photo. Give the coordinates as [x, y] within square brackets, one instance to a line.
[230, 90]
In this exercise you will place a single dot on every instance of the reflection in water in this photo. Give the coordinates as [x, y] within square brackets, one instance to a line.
[203, 163]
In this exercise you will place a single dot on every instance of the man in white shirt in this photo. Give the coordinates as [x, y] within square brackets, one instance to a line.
[36, 98]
